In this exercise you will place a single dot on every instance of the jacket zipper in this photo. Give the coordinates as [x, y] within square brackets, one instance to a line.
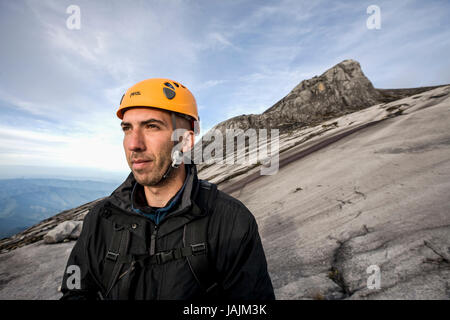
[153, 240]
[153, 251]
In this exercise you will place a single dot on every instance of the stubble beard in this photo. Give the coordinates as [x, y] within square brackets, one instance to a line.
[152, 176]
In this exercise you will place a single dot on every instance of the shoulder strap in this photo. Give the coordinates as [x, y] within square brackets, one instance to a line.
[196, 235]
[114, 257]
[207, 195]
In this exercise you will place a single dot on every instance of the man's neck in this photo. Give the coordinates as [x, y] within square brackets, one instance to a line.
[159, 196]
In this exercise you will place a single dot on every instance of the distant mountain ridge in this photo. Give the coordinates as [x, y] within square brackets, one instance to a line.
[24, 202]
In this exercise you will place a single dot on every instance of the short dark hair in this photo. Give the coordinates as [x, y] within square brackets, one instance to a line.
[187, 122]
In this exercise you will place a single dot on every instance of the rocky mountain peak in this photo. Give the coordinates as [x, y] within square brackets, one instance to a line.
[340, 90]
[346, 71]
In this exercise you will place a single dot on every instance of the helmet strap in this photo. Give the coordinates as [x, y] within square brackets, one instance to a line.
[175, 155]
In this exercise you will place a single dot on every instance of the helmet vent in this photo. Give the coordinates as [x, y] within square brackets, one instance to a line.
[176, 84]
[168, 84]
[170, 94]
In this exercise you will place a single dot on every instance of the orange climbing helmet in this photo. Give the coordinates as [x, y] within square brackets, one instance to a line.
[160, 93]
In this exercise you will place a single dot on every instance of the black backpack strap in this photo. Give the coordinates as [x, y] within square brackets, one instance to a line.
[195, 235]
[166, 256]
[113, 260]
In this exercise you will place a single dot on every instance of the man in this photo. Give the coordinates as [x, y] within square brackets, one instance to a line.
[163, 233]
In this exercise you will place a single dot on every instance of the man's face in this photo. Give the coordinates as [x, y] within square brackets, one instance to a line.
[147, 143]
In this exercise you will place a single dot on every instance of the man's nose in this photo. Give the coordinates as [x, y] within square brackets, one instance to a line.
[136, 141]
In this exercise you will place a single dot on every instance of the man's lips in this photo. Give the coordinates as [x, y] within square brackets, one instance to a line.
[139, 163]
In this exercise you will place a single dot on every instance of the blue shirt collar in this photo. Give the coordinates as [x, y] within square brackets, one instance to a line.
[156, 214]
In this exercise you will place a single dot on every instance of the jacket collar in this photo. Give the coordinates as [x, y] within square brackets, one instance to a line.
[121, 197]
[139, 202]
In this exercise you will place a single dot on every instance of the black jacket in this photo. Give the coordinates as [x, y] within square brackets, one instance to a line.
[234, 249]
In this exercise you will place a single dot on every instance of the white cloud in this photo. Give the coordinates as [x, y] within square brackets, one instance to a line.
[216, 40]
[98, 149]
[209, 84]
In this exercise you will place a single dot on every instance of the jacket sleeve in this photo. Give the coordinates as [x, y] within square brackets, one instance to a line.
[78, 281]
[241, 258]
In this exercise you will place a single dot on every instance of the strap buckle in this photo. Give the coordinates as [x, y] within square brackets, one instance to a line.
[163, 257]
[198, 248]
[112, 256]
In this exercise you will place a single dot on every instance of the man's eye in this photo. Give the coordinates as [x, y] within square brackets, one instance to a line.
[151, 126]
[125, 128]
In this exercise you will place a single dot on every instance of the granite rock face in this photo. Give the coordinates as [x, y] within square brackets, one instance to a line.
[373, 203]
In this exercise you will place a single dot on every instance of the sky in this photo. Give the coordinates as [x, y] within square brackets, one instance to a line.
[60, 87]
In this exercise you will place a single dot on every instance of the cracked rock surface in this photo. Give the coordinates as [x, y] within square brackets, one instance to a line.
[376, 197]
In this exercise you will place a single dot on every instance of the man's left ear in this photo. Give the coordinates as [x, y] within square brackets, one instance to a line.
[188, 140]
